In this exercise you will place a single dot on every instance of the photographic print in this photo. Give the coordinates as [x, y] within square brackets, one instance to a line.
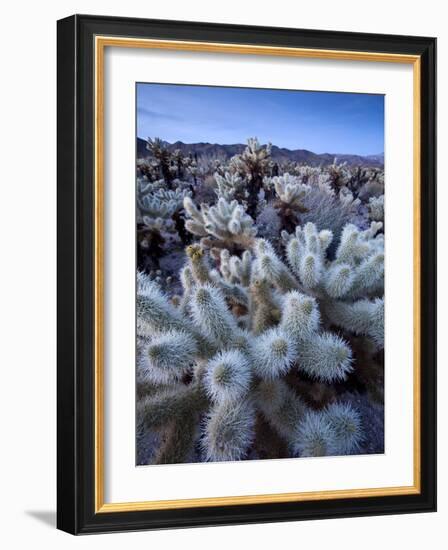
[222, 352]
[260, 274]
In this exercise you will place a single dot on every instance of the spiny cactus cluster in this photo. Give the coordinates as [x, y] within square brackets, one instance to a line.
[224, 225]
[376, 208]
[275, 195]
[158, 214]
[263, 326]
[160, 204]
[224, 351]
[231, 186]
[298, 202]
[253, 165]
[166, 164]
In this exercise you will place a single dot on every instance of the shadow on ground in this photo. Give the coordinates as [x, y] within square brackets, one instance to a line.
[48, 517]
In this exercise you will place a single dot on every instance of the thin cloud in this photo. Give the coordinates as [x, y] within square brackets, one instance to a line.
[144, 111]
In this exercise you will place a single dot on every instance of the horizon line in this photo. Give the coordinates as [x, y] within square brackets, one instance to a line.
[273, 144]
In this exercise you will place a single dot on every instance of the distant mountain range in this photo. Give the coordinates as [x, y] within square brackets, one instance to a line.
[279, 154]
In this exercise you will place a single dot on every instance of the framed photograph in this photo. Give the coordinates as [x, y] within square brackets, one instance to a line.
[247, 274]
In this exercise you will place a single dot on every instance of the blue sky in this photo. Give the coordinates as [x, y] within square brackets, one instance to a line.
[322, 122]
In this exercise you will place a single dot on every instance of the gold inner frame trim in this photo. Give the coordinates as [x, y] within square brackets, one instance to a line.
[101, 42]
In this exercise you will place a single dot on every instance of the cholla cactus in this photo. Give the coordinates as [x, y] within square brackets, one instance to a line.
[153, 207]
[236, 270]
[181, 164]
[229, 431]
[157, 214]
[254, 164]
[298, 203]
[148, 170]
[346, 427]
[154, 218]
[166, 164]
[339, 174]
[250, 326]
[307, 174]
[376, 208]
[354, 178]
[257, 340]
[145, 186]
[332, 431]
[224, 225]
[343, 284]
[155, 201]
[231, 186]
[290, 203]
[374, 186]
[289, 189]
[315, 436]
[162, 158]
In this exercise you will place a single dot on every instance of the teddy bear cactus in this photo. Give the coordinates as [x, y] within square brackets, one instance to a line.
[220, 361]
[253, 164]
[223, 225]
[158, 213]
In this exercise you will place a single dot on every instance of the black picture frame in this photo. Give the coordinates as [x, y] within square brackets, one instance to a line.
[76, 261]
